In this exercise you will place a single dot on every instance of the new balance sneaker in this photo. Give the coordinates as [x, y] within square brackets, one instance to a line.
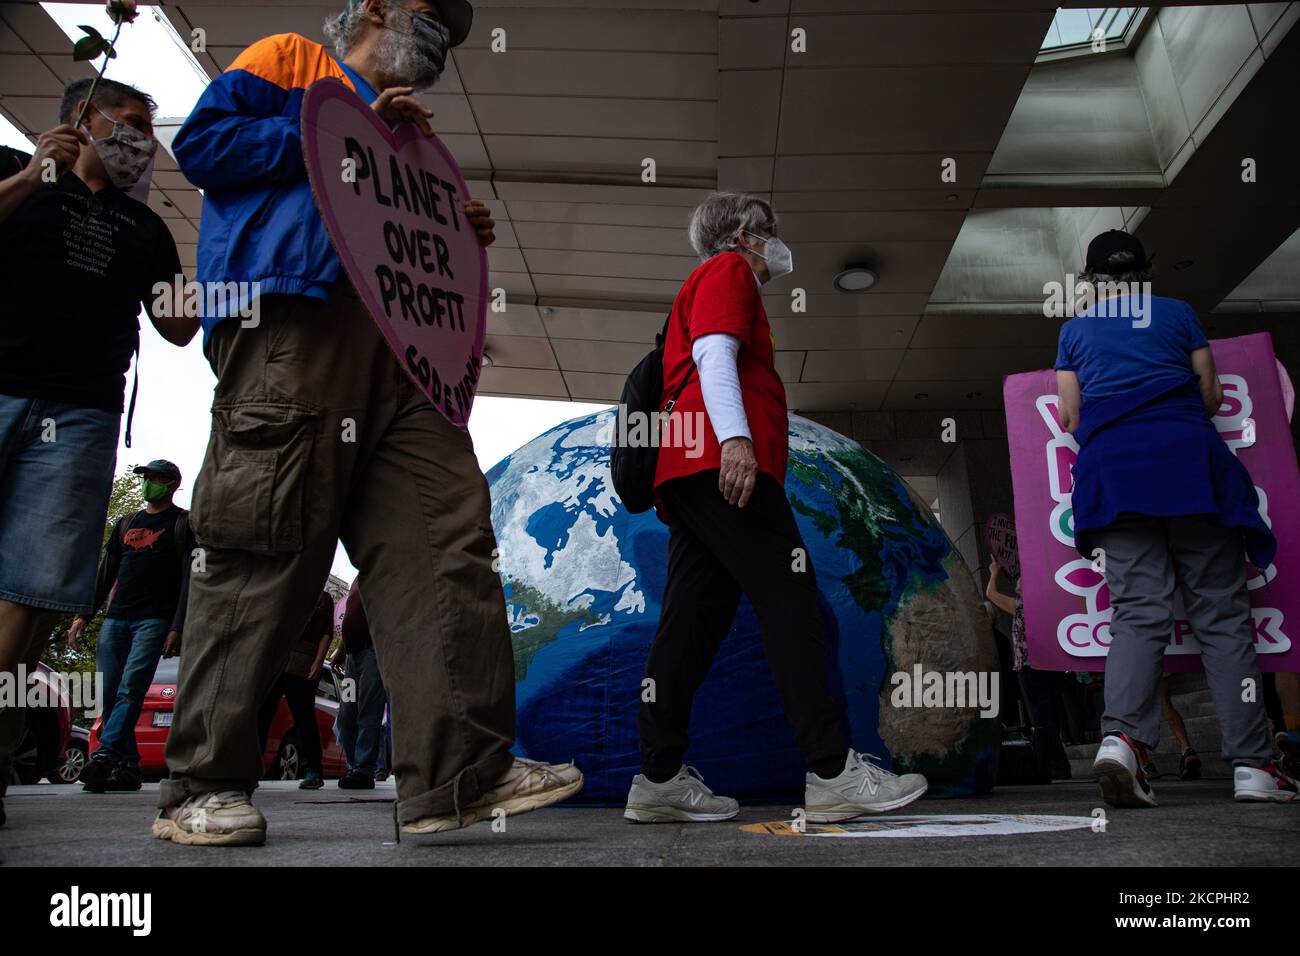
[226, 818]
[311, 781]
[861, 788]
[527, 785]
[1189, 765]
[1266, 784]
[1117, 771]
[683, 798]
[94, 775]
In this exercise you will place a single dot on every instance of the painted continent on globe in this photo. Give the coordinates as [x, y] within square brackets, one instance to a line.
[583, 580]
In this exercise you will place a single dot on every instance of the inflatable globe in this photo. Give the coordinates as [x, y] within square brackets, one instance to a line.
[583, 580]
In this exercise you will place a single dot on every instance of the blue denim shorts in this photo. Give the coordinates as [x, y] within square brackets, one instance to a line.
[56, 473]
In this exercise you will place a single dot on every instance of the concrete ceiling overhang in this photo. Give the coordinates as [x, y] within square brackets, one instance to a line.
[846, 138]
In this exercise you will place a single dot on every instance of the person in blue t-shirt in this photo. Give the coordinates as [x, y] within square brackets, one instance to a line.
[1161, 501]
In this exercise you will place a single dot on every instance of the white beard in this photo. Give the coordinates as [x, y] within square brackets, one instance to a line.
[405, 64]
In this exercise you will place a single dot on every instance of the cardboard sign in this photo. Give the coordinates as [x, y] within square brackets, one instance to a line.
[392, 203]
[1067, 602]
[1000, 536]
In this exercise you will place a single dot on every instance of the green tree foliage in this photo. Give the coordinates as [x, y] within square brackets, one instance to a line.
[124, 500]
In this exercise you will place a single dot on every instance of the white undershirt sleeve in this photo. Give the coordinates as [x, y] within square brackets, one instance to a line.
[715, 359]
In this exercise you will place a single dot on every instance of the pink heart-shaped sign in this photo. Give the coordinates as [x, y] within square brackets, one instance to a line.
[392, 203]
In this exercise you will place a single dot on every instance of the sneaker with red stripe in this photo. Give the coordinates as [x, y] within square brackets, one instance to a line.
[1118, 771]
[1264, 784]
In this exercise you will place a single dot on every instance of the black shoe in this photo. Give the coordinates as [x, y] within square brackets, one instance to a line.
[125, 778]
[381, 776]
[356, 781]
[1189, 765]
[312, 781]
[95, 774]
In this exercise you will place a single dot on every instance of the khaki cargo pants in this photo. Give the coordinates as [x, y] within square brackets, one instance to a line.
[318, 435]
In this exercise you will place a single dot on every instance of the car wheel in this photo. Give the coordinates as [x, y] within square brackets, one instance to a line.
[288, 760]
[26, 760]
[73, 762]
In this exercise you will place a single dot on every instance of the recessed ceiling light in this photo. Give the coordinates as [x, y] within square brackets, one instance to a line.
[856, 278]
[1182, 264]
[486, 361]
[921, 395]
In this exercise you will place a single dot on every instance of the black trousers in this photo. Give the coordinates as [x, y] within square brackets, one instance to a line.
[300, 694]
[716, 553]
[1042, 690]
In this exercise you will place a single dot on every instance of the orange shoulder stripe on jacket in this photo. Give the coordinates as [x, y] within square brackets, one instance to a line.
[289, 61]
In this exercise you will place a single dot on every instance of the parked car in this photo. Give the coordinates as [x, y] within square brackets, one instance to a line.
[75, 754]
[283, 757]
[45, 732]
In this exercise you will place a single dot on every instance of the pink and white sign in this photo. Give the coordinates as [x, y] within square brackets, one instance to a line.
[392, 204]
[1067, 603]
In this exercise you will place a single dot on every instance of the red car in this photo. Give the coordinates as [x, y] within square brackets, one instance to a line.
[46, 731]
[283, 757]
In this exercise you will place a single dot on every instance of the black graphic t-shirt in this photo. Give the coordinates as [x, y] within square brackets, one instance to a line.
[75, 267]
[147, 566]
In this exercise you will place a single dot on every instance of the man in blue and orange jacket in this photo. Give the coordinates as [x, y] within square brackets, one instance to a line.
[319, 435]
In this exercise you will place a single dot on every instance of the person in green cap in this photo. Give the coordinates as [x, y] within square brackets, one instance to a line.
[146, 567]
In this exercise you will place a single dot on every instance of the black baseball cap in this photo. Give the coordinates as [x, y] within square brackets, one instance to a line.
[455, 15]
[159, 466]
[1111, 243]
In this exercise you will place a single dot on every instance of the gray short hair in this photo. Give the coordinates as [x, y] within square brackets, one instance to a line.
[716, 221]
[344, 29]
[1126, 278]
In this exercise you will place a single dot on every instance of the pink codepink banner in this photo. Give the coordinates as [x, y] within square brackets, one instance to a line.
[1067, 603]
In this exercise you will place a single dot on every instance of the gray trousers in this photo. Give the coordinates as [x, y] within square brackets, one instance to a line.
[1145, 559]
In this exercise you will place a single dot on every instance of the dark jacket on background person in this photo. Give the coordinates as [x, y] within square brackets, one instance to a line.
[303, 654]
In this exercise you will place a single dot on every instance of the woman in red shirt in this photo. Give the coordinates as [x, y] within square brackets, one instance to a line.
[720, 489]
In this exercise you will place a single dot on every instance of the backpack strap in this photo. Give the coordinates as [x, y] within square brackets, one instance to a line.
[180, 531]
[124, 525]
[662, 341]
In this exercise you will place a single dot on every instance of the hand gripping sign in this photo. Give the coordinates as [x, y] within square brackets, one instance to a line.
[1067, 602]
[392, 203]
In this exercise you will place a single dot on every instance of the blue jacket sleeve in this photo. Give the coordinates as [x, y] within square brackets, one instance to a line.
[244, 130]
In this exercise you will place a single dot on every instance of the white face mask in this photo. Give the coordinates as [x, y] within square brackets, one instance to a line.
[779, 258]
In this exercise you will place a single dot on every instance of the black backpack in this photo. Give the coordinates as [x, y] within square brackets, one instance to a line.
[633, 466]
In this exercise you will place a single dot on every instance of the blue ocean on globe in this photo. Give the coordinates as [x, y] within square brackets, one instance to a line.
[583, 581]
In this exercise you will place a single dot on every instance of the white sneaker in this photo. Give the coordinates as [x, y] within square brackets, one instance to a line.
[1117, 771]
[1267, 784]
[683, 798]
[527, 785]
[226, 818]
[861, 788]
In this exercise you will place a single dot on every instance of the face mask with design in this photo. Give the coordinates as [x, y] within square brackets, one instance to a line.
[779, 258]
[125, 153]
[152, 491]
[431, 41]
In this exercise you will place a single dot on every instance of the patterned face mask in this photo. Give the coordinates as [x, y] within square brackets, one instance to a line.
[125, 152]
